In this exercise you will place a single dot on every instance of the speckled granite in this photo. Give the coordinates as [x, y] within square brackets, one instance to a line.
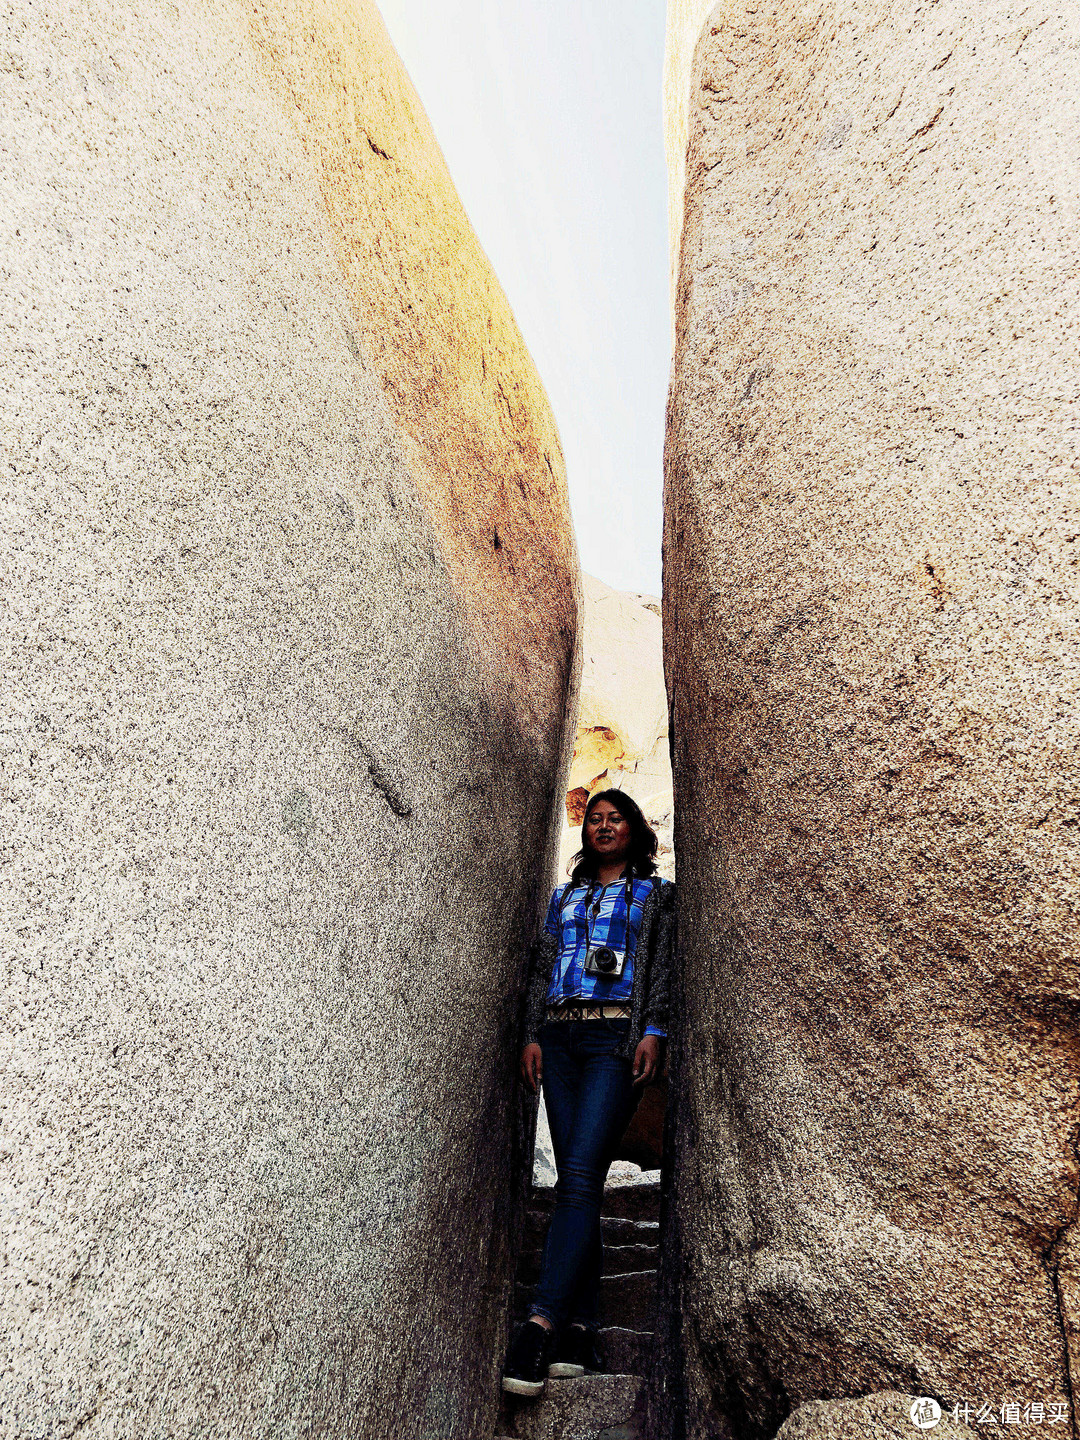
[889, 1415]
[871, 592]
[588, 1408]
[286, 675]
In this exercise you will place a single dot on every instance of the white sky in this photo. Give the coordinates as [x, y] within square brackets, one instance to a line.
[549, 116]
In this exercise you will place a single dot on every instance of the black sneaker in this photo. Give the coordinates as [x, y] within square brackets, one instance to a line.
[575, 1354]
[527, 1361]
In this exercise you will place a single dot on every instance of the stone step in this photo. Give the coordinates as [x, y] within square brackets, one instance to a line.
[629, 1232]
[624, 1259]
[592, 1407]
[626, 1301]
[615, 1230]
[626, 1352]
[618, 1260]
[637, 1199]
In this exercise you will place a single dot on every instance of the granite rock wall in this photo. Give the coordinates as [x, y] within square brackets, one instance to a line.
[870, 594]
[289, 647]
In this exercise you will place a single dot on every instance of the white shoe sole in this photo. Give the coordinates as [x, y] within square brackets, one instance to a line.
[562, 1371]
[522, 1387]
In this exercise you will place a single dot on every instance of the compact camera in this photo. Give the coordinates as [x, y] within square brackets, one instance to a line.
[604, 962]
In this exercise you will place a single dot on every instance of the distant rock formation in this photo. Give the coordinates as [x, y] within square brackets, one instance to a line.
[622, 733]
[870, 618]
[291, 608]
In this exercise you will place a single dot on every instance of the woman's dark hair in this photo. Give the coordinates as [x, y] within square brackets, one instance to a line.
[641, 856]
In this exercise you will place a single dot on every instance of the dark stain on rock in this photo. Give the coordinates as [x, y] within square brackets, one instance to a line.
[377, 149]
[757, 376]
[388, 790]
[382, 782]
[925, 129]
[937, 589]
[836, 135]
[353, 342]
[297, 815]
[341, 504]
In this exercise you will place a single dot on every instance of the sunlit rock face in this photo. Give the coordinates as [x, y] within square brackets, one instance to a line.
[870, 609]
[289, 653]
[684, 21]
[622, 730]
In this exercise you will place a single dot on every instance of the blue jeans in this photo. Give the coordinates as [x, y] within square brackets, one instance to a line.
[590, 1100]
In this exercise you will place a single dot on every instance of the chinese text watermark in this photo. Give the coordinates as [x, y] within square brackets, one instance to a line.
[926, 1413]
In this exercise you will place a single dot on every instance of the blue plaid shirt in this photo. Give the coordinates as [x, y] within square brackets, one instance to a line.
[576, 932]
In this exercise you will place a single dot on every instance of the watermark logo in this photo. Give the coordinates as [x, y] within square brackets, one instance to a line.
[926, 1413]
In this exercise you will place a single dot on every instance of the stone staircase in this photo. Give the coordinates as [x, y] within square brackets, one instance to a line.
[609, 1406]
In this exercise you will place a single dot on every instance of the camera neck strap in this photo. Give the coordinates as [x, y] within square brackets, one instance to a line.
[592, 909]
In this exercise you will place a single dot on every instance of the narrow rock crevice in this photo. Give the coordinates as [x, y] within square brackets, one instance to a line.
[1051, 1258]
[376, 148]
[380, 780]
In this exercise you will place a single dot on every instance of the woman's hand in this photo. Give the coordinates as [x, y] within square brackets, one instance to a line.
[646, 1059]
[532, 1065]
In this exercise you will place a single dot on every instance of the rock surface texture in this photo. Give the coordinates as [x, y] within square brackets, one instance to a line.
[870, 608]
[684, 21]
[884, 1416]
[290, 609]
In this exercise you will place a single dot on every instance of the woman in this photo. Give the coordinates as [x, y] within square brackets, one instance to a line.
[595, 1025]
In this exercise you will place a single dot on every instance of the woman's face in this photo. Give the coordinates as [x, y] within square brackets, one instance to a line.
[607, 831]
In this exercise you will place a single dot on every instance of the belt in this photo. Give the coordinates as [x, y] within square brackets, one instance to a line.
[586, 1010]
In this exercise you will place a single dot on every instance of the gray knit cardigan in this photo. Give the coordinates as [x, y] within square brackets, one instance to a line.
[652, 972]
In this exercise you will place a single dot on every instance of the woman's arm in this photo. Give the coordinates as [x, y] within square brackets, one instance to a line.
[541, 962]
